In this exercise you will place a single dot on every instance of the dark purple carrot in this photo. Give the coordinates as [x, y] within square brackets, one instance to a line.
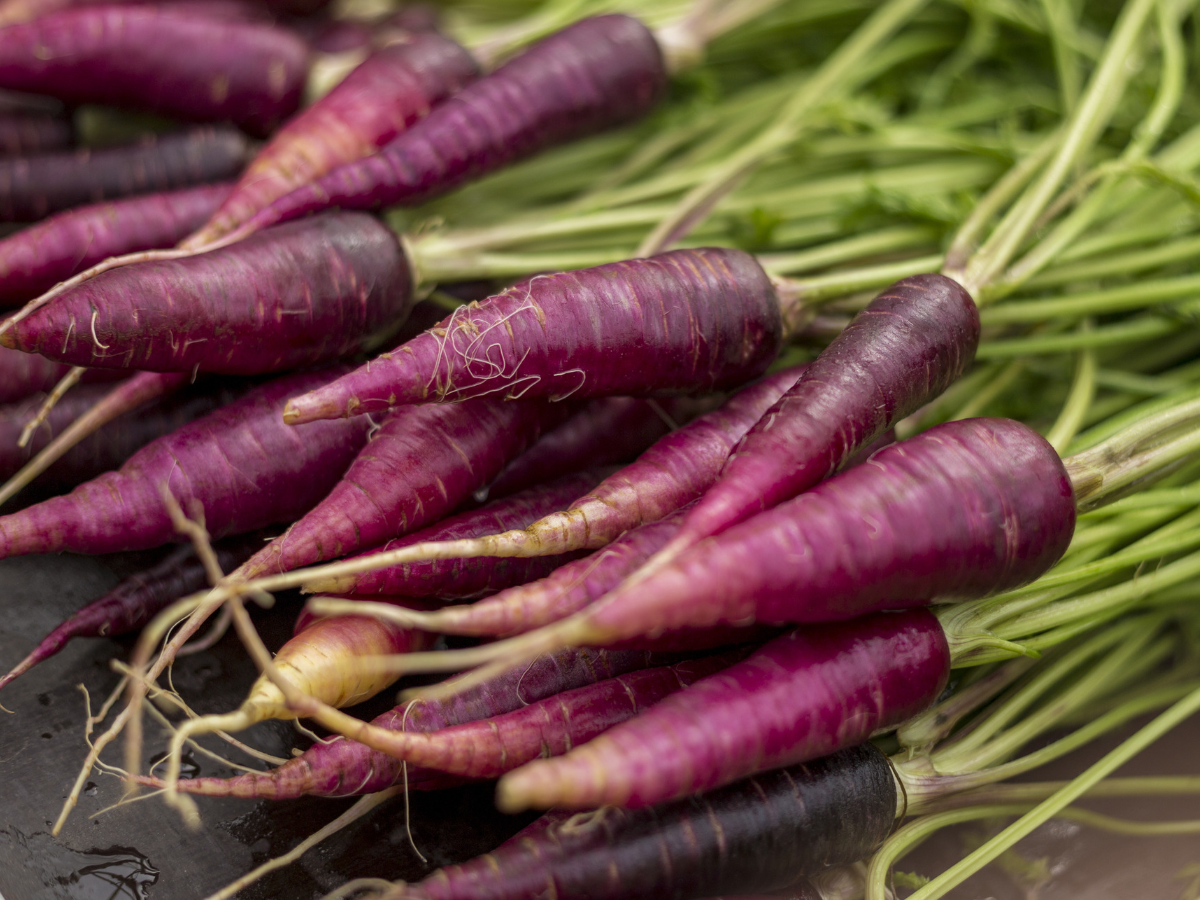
[809, 693]
[100, 452]
[421, 463]
[304, 293]
[459, 578]
[688, 321]
[243, 466]
[339, 767]
[595, 74]
[490, 747]
[36, 258]
[33, 187]
[22, 134]
[668, 476]
[187, 66]
[392, 89]
[963, 510]
[903, 350]
[139, 598]
[23, 374]
[760, 834]
[15, 11]
[606, 431]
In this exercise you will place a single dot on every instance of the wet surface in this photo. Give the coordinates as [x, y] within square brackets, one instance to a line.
[142, 851]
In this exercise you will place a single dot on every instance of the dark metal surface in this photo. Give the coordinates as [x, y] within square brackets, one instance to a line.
[142, 849]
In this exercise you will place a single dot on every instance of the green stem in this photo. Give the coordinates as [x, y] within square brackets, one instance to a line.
[1083, 391]
[1141, 328]
[1095, 303]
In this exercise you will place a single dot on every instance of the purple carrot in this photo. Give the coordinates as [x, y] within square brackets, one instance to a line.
[964, 510]
[240, 463]
[421, 463]
[490, 747]
[688, 321]
[671, 474]
[33, 187]
[903, 350]
[15, 11]
[458, 578]
[187, 66]
[37, 258]
[23, 374]
[139, 598]
[608, 430]
[304, 293]
[392, 89]
[595, 74]
[339, 767]
[22, 134]
[760, 834]
[804, 695]
[104, 451]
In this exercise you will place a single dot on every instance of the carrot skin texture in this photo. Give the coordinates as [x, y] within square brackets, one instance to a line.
[144, 57]
[25, 133]
[806, 694]
[396, 86]
[341, 767]
[687, 321]
[459, 578]
[421, 463]
[904, 349]
[304, 293]
[33, 187]
[608, 430]
[244, 466]
[490, 747]
[595, 74]
[137, 599]
[756, 835]
[36, 258]
[963, 510]
[23, 374]
[104, 450]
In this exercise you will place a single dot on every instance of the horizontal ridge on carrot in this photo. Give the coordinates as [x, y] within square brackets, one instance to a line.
[32, 187]
[36, 258]
[903, 350]
[304, 293]
[595, 74]
[804, 695]
[394, 87]
[137, 599]
[687, 321]
[144, 57]
[241, 463]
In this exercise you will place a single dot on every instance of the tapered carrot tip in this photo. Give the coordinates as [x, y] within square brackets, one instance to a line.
[310, 408]
[8, 338]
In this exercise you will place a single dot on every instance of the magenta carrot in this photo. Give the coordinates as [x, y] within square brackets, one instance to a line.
[339, 767]
[903, 350]
[760, 834]
[240, 463]
[24, 133]
[151, 58]
[490, 747]
[458, 578]
[963, 510]
[671, 474]
[36, 258]
[809, 693]
[33, 187]
[393, 88]
[138, 599]
[421, 463]
[23, 374]
[608, 430]
[304, 293]
[595, 74]
[108, 449]
[688, 321]
[15, 11]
